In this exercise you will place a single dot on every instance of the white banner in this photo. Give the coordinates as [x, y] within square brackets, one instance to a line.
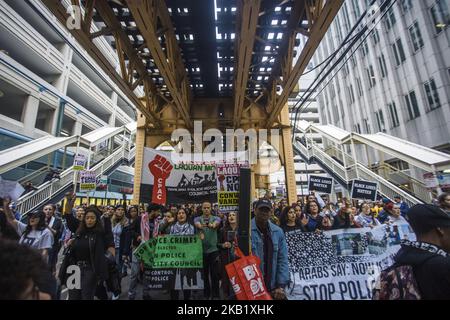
[166, 179]
[88, 181]
[341, 264]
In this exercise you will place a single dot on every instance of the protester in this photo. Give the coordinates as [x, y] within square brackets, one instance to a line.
[133, 240]
[118, 223]
[345, 218]
[181, 228]
[388, 207]
[403, 205]
[366, 219]
[87, 251]
[444, 202]
[208, 225]
[395, 216]
[269, 244]
[7, 231]
[35, 234]
[227, 244]
[29, 187]
[429, 258]
[289, 221]
[24, 276]
[312, 221]
[55, 225]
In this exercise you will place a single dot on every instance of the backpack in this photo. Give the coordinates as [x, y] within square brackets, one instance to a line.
[397, 283]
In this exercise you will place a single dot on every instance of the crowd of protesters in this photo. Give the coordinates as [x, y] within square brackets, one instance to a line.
[100, 240]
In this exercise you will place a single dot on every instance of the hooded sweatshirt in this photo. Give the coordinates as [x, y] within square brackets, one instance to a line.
[431, 269]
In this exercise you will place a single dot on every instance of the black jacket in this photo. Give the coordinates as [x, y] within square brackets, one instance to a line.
[432, 271]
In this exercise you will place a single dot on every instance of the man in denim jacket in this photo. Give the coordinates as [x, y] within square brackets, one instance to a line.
[269, 244]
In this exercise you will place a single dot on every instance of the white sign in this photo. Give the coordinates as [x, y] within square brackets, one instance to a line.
[79, 162]
[341, 264]
[88, 181]
[11, 189]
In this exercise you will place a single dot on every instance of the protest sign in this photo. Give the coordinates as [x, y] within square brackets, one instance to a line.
[364, 190]
[168, 178]
[79, 162]
[320, 184]
[87, 181]
[341, 264]
[11, 189]
[228, 186]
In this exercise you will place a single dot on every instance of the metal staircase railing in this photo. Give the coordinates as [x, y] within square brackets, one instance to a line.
[353, 171]
[50, 189]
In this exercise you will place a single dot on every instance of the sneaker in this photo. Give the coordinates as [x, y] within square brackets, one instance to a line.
[114, 297]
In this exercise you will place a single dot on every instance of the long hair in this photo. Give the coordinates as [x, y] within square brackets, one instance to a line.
[98, 228]
[284, 215]
[123, 221]
[41, 225]
[127, 213]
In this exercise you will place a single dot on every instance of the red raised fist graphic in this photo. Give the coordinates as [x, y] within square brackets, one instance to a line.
[160, 168]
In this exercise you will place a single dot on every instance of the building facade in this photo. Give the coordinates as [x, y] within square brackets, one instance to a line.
[398, 80]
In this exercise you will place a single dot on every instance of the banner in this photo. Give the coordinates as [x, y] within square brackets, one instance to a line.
[172, 262]
[88, 181]
[228, 186]
[79, 162]
[341, 264]
[364, 190]
[167, 178]
[11, 189]
[320, 184]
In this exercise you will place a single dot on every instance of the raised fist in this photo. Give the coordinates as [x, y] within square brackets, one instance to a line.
[160, 167]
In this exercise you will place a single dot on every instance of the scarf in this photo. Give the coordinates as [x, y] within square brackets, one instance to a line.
[426, 247]
[145, 228]
[182, 229]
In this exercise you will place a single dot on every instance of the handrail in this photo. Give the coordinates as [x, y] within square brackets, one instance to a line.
[49, 189]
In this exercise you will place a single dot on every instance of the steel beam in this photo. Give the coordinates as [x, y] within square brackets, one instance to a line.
[149, 16]
[247, 21]
[321, 19]
[60, 12]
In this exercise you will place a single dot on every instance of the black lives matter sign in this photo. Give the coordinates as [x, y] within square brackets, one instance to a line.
[320, 184]
[364, 190]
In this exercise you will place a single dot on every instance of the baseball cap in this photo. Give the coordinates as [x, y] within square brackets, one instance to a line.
[263, 203]
[425, 217]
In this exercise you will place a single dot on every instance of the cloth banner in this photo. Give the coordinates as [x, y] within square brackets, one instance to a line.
[79, 162]
[172, 262]
[171, 178]
[341, 264]
[228, 186]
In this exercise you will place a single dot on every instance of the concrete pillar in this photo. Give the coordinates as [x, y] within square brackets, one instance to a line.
[77, 128]
[288, 156]
[63, 80]
[29, 114]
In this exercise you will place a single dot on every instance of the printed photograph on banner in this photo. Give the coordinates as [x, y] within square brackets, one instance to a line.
[341, 264]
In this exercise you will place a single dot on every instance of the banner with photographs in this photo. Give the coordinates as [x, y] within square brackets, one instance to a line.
[172, 262]
[228, 186]
[169, 178]
[341, 264]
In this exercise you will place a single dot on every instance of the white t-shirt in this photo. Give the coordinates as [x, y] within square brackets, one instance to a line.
[37, 239]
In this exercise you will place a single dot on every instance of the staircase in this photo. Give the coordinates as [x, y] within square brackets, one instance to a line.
[345, 175]
[53, 191]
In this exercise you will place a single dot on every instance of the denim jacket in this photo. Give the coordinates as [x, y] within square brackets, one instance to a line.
[280, 267]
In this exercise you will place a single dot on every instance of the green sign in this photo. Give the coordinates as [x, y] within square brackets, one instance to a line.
[166, 252]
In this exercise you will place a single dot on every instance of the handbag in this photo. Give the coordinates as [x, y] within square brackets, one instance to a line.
[246, 277]
[68, 260]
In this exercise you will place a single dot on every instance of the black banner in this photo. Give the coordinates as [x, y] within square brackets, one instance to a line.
[320, 184]
[364, 190]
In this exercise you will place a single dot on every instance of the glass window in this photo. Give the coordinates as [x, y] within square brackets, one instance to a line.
[416, 36]
[432, 95]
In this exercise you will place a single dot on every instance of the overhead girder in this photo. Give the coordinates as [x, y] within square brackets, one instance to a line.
[84, 37]
[246, 24]
[320, 17]
[153, 20]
